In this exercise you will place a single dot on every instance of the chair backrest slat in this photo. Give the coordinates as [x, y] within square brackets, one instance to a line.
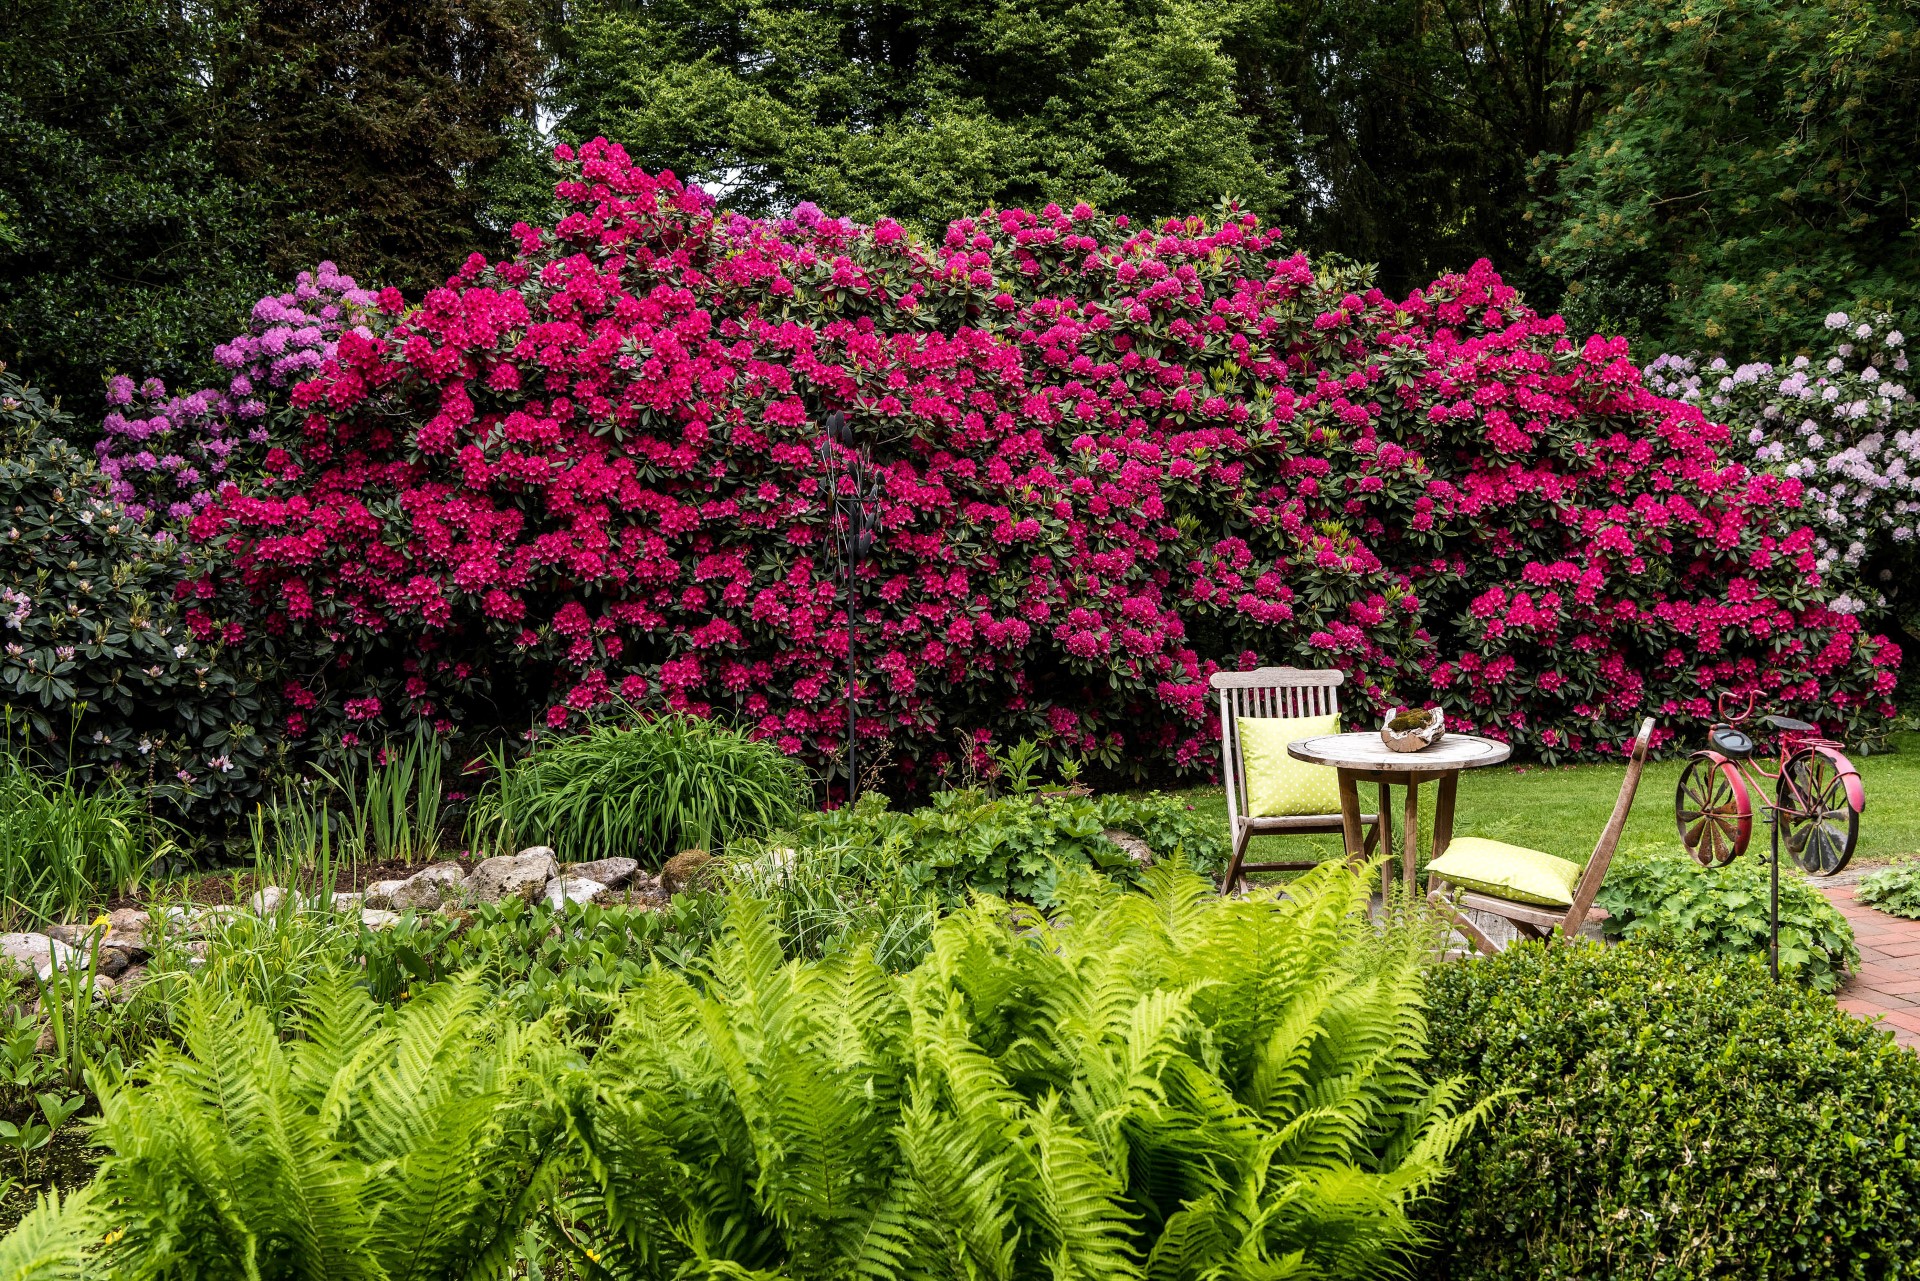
[1596, 869]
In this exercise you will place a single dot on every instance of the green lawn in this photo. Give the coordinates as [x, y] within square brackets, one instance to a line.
[1562, 810]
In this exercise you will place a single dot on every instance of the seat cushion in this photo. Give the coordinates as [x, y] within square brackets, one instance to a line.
[1276, 783]
[1507, 871]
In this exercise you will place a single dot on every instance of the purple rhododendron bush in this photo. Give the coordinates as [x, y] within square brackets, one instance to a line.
[1113, 458]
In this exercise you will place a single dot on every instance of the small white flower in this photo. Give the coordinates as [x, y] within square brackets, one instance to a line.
[1864, 331]
[1837, 320]
[179, 651]
[1835, 364]
[1896, 338]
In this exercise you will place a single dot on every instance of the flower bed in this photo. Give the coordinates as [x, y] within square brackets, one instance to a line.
[1109, 457]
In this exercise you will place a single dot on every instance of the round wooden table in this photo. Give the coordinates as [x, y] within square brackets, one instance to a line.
[1363, 758]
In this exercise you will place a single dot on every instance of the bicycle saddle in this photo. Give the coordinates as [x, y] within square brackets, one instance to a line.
[1788, 723]
[1731, 742]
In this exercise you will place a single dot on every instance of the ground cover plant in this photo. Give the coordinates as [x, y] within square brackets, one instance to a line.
[1893, 889]
[1669, 1115]
[640, 787]
[1661, 897]
[1106, 454]
[1016, 846]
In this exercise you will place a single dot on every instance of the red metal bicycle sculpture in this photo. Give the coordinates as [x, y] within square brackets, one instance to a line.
[1817, 797]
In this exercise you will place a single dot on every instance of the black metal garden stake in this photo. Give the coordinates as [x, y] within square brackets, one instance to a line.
[852, 539]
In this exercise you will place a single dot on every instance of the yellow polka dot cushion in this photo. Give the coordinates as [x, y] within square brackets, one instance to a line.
[1276, 783]
[1507, 871]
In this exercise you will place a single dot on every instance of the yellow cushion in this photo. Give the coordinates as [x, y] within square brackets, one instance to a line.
[1276, 783]
[1507, 871]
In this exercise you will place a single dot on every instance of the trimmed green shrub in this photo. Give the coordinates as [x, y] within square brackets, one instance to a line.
[641, 789]
[1893, 889]
[1019, 846]
[1669, 1115]
[1164, 1084]
[1662, 897]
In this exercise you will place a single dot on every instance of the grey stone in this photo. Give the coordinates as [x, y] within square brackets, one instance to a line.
[112, 962]
[345, 901]
[613, 873]
[128, 983]
[522, 876]
[573, 889]
[375, 919]
[379, 895]
[429, 888]
[1130, 845]
[267, 901]
[36, 953]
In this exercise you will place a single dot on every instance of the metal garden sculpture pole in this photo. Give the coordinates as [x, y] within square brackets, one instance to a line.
[853, 523]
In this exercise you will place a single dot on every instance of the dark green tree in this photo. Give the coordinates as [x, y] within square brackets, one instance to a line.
[921, 111]
[1757, 166]
[393, 119]
[124, 242]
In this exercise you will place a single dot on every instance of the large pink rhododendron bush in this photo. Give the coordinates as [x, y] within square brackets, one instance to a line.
[1113, 459]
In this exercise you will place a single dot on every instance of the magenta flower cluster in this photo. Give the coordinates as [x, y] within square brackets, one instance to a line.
[168, 454]
[1111, 459]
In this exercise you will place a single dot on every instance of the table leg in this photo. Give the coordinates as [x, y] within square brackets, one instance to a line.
[1443, 814]
[1383, 831]
[1409, 847]
[1350, 818]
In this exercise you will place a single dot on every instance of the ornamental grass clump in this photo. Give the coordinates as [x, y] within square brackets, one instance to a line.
[1162, 1084]
[64, 848]
[641, 788]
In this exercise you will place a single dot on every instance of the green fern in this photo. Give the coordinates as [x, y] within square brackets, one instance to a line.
[1158, 1084]
[374, 1145]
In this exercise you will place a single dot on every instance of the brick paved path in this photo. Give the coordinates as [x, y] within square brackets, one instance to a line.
[1888, 984]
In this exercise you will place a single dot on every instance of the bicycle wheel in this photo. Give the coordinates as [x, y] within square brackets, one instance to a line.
[1818, 802]
[1711, 808]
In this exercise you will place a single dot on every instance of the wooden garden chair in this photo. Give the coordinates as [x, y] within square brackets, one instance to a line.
[1524, 886]
[1274, 692]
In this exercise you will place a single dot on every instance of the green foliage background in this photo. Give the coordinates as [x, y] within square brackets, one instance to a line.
[1713, 173]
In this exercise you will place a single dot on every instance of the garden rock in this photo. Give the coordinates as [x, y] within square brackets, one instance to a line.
[129, 983]
[376, 919]
[127, 932]
[379, 895]
[428, 888]
[610, 872]
[111, 961]
[267, 901]
[683, 870]
[562, 890]
[1130, 845]
[37, 952]
[523, 876]
[347, 901]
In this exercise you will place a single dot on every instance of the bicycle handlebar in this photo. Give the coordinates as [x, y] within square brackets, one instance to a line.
[1720, 706]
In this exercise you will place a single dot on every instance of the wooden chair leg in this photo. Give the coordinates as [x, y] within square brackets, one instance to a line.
[1242, 835]
[1458, 919]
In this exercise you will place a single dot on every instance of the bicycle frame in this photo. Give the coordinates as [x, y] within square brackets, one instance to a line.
[1754, 777]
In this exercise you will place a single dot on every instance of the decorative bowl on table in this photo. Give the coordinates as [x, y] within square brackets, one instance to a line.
[1412, 729]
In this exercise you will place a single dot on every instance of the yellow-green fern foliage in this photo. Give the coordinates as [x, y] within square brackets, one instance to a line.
[1157, 1084]
[371, 1145]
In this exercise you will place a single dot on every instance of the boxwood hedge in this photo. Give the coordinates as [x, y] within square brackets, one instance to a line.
[1668, 1115]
